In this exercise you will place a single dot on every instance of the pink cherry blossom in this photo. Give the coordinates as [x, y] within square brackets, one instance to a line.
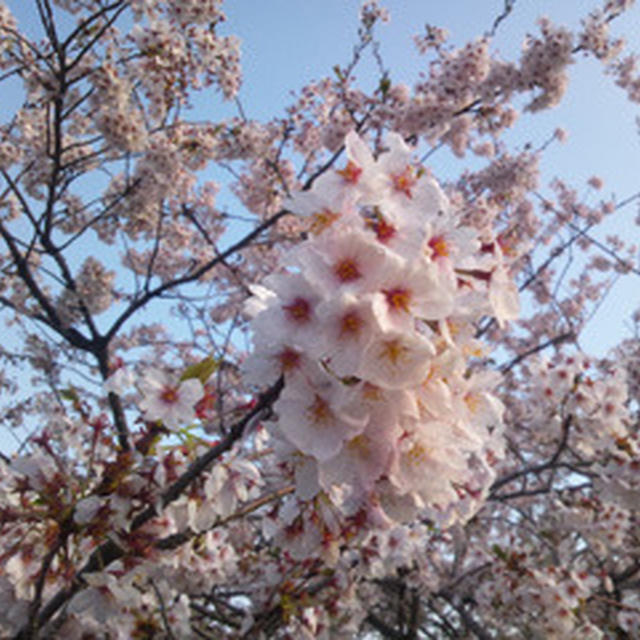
[357, 399]
[169, 400]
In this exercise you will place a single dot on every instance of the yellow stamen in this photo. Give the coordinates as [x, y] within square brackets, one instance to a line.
[360, 446]
[319, 411]
[398, 299]
[404, 181]
[438, 246]
[417, 455]
[347, 270]
[393, 351]
[351, 173]
[169, 395]
[350, 323]
[322, 220]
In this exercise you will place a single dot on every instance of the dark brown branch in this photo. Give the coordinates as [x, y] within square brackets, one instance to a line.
[466, 617]
[40, 582]
[118, 6]
[190, 214]
[194, 275]
[50, 317]
[48, 23]
[556, 340]
[508, 8]
[382, 627]
[536, 468]
[178, 539]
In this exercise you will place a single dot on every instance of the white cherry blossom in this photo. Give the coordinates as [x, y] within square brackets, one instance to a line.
[168, 399]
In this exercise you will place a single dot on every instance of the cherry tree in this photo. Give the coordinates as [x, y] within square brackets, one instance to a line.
[352, 403]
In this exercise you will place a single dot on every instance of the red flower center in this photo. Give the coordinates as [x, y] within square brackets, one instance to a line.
[350, 323]
[438, 247]
[289, 359]
[351, 173]
[404, 181]
[347, 270]
[169, 395]
[299, 310]
[398, 299]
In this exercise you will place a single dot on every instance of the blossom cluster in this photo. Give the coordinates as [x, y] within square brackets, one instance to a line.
[568, 395]
[63, 486]
[339, 502]
[546, 602]
[371, 321]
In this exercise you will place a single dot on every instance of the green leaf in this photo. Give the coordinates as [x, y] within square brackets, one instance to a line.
[499, 551]
[70, 394]
[201, 370]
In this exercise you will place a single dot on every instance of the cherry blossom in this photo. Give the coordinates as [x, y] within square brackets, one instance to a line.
[318, 375]
[169, 400]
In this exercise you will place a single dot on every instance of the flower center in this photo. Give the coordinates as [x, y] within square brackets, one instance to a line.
[472, 401]
[351, 173]
[299, 310]
[383, 230]
[417, 455]
[438, 246]
[169, 395]
[404, 182]
[322, 220]
[347, 270]
[393, 351]
[360, 446]
[289, 359]
[350, 323]
[398, 299]
[319, 410]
